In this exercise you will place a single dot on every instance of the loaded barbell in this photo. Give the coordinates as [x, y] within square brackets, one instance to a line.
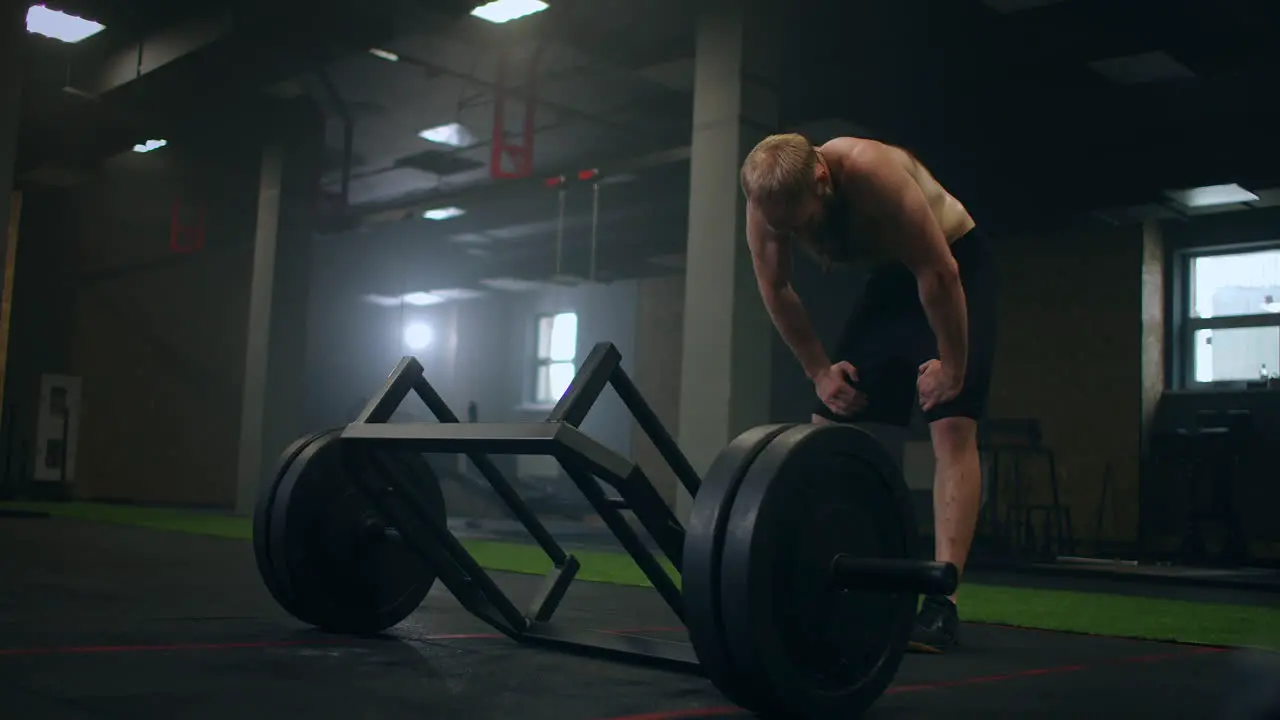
[798, 561]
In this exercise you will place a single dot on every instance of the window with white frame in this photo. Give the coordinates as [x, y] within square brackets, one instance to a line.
[1231, 316]
[557, 348]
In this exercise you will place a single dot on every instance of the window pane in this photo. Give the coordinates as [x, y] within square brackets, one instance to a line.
[542, 385]
[561, 374]
[1237, 354]
[545, 324]
[564, 337]
[1233, 285]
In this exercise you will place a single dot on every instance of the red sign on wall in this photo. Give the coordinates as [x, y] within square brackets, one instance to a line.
[186, 236]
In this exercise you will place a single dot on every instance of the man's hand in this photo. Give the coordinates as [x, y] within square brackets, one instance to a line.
[937, 384]
[836, 392]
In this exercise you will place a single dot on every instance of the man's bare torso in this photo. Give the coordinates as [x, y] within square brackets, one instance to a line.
[868, 242]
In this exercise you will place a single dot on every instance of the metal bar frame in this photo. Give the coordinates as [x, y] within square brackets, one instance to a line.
[519, 508]
[582, 476]
[409, 376]
[588, 464]
[453, 565]
[652, 652]
[653, 427]
[587, 384]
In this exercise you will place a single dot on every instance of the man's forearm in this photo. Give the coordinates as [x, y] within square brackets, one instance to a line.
[942, 296]
[793, 324]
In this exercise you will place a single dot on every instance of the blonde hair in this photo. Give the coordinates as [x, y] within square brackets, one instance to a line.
[779, 170]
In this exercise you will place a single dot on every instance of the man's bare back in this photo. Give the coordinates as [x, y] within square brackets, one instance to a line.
[840, 154]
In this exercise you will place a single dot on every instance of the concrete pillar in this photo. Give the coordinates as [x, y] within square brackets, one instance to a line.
[284, 419]
[257, 348]
[726, 367]
[273, 401]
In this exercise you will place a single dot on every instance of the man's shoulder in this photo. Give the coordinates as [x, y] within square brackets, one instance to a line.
[857, 159]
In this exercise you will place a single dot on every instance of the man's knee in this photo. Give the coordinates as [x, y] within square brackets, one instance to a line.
[954, 437]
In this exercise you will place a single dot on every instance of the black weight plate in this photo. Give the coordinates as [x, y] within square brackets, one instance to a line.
[340, 577]
[803, 646]
[704, 536]
[262, 523]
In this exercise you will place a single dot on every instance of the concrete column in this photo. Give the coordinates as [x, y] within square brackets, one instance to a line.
[284, 419]
[258, 331]
[726, 367]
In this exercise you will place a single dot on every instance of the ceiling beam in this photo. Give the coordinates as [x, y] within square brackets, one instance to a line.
[214, 80]
[158, 49]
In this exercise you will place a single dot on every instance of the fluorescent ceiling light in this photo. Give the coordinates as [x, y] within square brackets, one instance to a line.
[457, 293]
[1211, 195]
[435, 297]
[59, 25]
[443, 213]
[421, 299]
[500, 11]
[384, 54]
[452, 134]
[149, 145]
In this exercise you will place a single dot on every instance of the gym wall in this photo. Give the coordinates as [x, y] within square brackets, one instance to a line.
[1070, 355]
[137, 281]
[151, 331]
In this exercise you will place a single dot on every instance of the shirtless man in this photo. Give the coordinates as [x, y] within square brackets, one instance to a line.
[925, 327]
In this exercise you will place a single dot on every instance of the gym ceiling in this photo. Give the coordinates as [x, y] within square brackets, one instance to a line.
[1032, 111]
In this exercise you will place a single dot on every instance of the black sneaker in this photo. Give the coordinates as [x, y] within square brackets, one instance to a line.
[937, 627]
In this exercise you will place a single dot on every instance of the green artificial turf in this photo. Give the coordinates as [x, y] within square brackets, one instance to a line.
[1093, 613]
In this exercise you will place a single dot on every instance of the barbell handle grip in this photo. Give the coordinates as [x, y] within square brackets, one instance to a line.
[892, 575]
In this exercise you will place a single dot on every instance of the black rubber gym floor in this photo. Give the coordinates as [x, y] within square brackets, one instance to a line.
[101, 621]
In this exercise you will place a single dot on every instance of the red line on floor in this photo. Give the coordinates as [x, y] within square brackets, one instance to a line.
[924, 687]
[921, 687]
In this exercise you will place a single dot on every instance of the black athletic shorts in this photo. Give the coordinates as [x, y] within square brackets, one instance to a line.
[888, 338]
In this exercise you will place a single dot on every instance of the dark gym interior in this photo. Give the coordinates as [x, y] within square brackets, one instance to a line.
[230, 225]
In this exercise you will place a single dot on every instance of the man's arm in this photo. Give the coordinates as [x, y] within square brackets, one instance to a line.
[906, 222]
[771, 258]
